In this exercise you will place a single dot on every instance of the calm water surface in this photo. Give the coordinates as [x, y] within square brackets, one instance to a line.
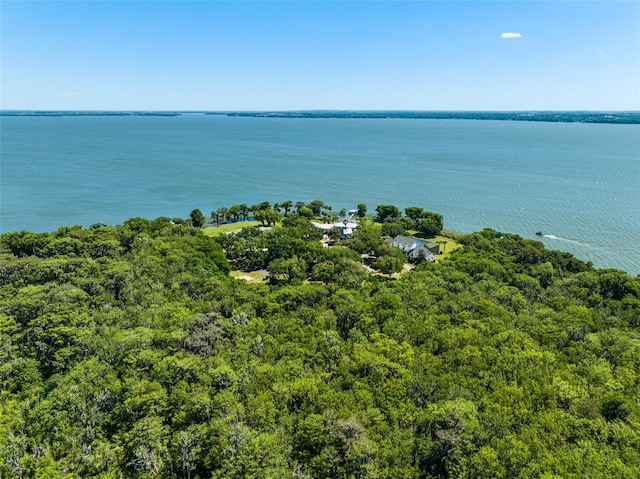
[579, 183]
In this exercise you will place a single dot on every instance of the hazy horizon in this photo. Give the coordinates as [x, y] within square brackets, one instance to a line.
[282, 110]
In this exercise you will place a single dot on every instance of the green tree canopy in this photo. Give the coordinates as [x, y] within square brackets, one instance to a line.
[316, 207]
[429, 223]
[362, 210]
[387, 211]
[197, 218]
[129, 351]
[267, 217]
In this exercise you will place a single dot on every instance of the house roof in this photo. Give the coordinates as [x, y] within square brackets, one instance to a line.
[323, 226]
[409, 241]
[346, 225]
[413, 247]
[406, 243]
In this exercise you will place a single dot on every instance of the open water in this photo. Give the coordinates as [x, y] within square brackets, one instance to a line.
[579, 183]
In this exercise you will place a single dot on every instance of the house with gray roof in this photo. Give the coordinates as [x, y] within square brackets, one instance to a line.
[417, 250]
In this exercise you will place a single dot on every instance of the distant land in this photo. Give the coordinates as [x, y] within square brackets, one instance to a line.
[617, 117]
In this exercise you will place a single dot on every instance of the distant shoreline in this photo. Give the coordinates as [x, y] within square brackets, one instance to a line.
[613, 117]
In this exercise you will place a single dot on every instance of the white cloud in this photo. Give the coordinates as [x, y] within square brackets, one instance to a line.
[599, 52]
[511, 35]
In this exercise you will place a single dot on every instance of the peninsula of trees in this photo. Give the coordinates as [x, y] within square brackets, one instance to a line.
[619, 117]
[131, 351]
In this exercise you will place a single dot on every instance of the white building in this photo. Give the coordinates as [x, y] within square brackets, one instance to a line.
[346, 225]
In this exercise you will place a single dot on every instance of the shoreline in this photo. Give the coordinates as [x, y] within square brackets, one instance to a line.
[630, 117]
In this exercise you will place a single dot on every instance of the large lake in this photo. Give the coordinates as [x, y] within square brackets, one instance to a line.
[579, 183]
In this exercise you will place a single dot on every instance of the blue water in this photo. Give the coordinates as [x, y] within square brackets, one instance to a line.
[579, 183]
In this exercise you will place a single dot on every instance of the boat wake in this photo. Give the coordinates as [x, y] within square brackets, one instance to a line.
[559, 238]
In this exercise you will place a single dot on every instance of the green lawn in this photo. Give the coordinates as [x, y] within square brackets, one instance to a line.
[447, 245]
[227, 228]
[251, 276]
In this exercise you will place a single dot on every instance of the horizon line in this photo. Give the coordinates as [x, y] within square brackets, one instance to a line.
[308, 110]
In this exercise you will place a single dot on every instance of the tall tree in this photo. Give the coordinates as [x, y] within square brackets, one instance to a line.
[197, 218]
[244, 211]
[222, 214]
[267, 217]
[234, 211]
[387, 211]
[286, 206]
[316, 206]
[429, 223]
[362, 210]
[413, 212]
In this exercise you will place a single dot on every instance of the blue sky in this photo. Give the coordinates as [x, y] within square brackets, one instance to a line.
[413, 55]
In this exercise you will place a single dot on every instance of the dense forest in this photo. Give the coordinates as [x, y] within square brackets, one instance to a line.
[130, 351]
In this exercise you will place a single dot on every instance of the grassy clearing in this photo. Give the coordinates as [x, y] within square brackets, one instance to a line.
[227, 228]
[250, 277]
[447, 246]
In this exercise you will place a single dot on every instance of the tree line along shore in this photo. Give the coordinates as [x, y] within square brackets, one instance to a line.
[615, 117]
[130, 351]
